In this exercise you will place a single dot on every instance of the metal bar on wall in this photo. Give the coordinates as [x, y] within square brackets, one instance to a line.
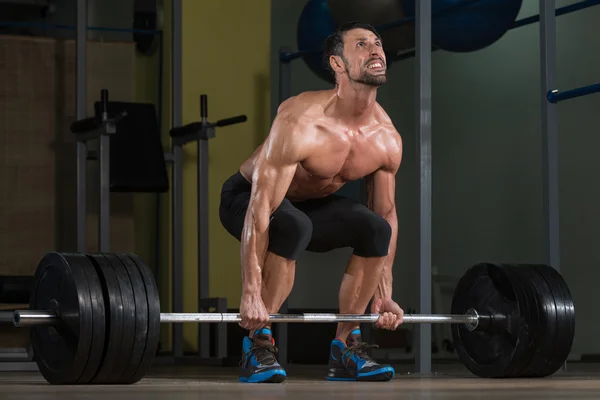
[554, 96]
[176, 113]
[80, 109]
[423, 121]
[557, 12]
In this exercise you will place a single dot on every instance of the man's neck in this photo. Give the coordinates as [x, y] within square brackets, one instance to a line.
[355, 102]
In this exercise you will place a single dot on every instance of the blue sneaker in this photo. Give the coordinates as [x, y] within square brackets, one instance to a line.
[258, 364]
[350, 362]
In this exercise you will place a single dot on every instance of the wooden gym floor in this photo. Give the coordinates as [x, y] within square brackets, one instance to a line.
[581, 381]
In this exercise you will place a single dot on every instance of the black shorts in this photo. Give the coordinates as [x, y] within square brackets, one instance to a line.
[317, 225]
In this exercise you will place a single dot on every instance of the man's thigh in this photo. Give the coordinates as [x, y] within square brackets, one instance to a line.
[289, 228]
[340, 222]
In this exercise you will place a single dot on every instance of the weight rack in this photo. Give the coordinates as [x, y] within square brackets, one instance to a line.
[102, 127]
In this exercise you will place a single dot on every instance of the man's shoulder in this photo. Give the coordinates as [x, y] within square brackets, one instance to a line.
[297, 115]
[305, 103]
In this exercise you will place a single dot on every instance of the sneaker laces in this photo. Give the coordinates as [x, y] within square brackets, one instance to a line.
[264, 354]
[358, 350]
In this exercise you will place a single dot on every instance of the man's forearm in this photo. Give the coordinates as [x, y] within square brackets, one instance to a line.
[254, 244]
[384, 289]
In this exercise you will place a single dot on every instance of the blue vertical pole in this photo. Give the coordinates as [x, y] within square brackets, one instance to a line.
[423, 121]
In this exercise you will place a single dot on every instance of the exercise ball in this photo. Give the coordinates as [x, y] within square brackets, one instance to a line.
[314, 26]
[469, 25]
[377, 13]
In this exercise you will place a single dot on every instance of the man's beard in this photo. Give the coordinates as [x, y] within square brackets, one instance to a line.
[367, 79]
[371, 80]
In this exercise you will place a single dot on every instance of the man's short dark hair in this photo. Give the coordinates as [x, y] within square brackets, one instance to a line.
[334, 44]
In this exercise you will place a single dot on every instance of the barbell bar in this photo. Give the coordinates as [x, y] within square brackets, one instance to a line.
[28, 318]
[95, 319]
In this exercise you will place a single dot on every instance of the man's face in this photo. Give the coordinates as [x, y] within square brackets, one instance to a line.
[364, 57]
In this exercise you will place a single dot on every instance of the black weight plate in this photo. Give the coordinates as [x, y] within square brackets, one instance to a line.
[538, 320]
[98, 313]
[62, 351]
[565, 319]
[153, 301]
[488, 288]
[141, 319]
[542, 358]
[129, 318]
[114, 318]
[521, 327]
[525, 326]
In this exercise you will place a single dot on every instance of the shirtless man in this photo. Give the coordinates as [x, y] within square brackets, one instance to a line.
[282, 202]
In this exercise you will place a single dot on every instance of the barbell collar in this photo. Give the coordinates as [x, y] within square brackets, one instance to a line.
[25, 318]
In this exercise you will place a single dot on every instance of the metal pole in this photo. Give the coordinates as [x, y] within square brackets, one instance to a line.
[104, 214]
[177, 246]
[80, 113]
[203, 266]
[285, 91]
[549, 133]
[423, 119]
[176, 111]
[37, 317]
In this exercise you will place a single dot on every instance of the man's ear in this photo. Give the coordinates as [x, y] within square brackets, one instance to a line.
[337, 64]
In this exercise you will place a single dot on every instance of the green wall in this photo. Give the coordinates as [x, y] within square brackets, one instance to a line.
[226, 56]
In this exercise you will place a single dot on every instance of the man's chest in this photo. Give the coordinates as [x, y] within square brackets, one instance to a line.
[346, 154]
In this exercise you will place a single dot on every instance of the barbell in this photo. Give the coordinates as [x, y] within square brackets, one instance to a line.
[95, 319]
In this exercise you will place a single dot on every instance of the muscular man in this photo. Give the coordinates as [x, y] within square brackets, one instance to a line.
[282, 202]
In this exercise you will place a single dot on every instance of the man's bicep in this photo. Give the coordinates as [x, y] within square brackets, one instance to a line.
[273, 173]
[270, 183]
[269, 187]
[381, 186]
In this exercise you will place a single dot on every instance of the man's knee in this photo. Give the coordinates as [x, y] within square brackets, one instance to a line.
[290, 232]
[373, 236]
